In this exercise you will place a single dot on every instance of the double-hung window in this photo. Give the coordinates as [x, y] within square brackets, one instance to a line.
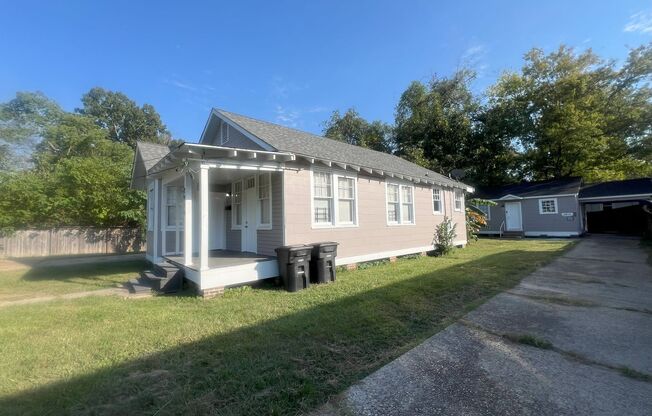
[459, 200]
[400, 204]
[333, 199]
[548, 206]
[172, 207]
[437, 201]
[236, 205]
[264, 200]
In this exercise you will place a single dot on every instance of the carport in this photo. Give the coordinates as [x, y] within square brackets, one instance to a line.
[618, 207]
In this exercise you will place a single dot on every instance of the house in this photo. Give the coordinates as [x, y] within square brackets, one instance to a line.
[567, 207]
[218, 209]
[534, 209]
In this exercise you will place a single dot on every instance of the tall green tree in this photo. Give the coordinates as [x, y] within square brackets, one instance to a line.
[435, 121]
[574, 114]
[353, 129]
[23, 120]
[123, 119]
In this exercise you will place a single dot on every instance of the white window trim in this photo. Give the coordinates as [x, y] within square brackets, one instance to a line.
[542, 200]
[259, 225]
[442, 209]
[334, 200]
[151, 206]
[400, 205]
[235, 226]
[178, 225]
[455, 191]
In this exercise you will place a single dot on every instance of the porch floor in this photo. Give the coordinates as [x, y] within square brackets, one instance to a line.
[222, 258]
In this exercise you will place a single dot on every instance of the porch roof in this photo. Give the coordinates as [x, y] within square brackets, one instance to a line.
[201, 152]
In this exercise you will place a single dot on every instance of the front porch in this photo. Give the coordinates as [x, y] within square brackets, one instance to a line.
[220, 213]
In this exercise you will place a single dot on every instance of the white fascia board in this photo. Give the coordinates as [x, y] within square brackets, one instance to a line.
[620, 197]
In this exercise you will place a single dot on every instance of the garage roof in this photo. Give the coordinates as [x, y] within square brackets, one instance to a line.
[640, 187]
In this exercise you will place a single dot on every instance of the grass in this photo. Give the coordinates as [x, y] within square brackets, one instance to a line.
[251, 351]
[46, 281]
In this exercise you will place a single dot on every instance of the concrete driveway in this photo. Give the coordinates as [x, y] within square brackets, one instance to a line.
[593, 306]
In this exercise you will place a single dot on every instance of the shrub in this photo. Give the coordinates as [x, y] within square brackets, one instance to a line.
[444, 236]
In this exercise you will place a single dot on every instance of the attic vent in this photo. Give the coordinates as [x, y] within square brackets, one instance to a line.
[224, 133]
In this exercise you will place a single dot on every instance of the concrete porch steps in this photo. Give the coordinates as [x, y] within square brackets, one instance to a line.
[163, 278]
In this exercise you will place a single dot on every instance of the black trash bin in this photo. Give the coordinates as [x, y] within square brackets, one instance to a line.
[322, 262]
[293, 266]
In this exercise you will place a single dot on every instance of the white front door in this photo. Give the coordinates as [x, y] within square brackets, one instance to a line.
[513, 220]
[250, 200]
[217, 234]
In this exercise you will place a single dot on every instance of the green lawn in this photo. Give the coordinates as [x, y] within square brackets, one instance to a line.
[46, 281]
[251, 351]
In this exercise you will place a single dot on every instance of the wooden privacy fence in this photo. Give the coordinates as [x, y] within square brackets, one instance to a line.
[71, 241]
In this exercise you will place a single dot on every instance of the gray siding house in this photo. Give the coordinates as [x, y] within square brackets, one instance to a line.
[534, 209]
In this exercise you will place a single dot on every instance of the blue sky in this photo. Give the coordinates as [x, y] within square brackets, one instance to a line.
[292, 62]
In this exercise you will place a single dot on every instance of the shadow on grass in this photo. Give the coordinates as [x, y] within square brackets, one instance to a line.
[89, 272]
[292, 363]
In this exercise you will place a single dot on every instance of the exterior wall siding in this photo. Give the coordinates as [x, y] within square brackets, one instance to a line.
[268, 240]
[236, 139]
[233, 237]
[533, 221]
[372, 234]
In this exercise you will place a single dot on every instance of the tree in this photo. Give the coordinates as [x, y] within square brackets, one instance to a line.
[353, 129]
[435, 121]
[121, 117]
[577, 115]
[22, 123]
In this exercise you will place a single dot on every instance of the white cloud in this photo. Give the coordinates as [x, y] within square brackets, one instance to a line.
[287, 117]
[474, 57]
[640, 22]
[179, 84]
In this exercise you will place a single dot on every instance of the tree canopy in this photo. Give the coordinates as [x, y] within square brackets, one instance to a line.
[80, 172]
[353, 129]
[123, 119]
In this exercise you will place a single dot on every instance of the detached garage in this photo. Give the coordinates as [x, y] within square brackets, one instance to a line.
[618, 207]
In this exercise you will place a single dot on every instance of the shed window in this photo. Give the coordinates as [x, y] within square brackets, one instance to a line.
[548, 206]
[437, 201]
[486, 209]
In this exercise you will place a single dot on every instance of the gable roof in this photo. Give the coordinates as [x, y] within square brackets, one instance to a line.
[300, 143]
[640, 186]
[147, 155]
[564, 186]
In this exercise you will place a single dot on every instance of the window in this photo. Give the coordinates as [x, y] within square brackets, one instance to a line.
[346, 200]
[264, 200]
[459, 200]
[407, 203]
[334, 199]
[437, 201]
[392, 203]
[172, 201]
[323, 198]
[486, 209]
[150, 209]
[236, 205]
[400, 204]
[548, 206]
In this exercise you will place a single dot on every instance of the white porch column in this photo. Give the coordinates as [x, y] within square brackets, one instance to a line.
[203, 225]
[187, 221]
